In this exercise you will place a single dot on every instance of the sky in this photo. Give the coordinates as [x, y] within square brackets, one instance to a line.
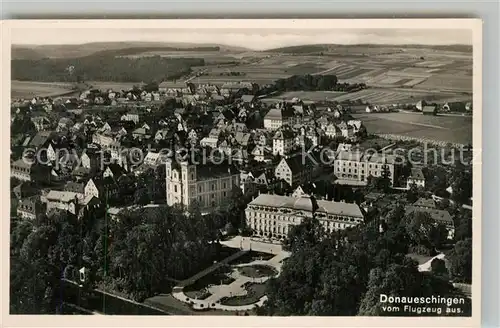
[256, 39]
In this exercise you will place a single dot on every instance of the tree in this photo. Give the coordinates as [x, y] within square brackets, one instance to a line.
[234, 208]
[413, 194]
[461, 187]
[461, 261]
[398, 280]
[142, 196]
[463, 226]
[39, 256]
[438, 268]
[423, 231]
[308, 233]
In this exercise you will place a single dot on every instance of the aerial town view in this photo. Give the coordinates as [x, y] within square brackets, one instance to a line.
[249, 178]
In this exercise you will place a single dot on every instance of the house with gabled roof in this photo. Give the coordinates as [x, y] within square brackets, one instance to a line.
[261, 153]
[429, 110]
[30, 207]
[278, 116]
[283, 142]
[428, 206]
[25, 189]
[416, 178]
[106, 187]
[293, 171]
[42, 123]
[455, 106]
[114, 171]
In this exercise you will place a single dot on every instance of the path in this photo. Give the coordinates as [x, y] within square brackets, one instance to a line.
[235, 288]
[209, 270]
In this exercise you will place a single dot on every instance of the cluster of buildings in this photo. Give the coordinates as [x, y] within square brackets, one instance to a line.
[82, 155]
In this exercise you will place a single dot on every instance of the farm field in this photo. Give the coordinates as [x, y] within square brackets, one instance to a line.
[453, 129]
[311, 95]
[104, 85]
[28, 89]
[389, 67]
[388, 96]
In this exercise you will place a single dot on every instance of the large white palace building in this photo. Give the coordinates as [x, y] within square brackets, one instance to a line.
[273, 215]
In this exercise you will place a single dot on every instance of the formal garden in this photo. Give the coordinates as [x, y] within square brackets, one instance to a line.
[257, 271]
[254, 293]
[199, 289]
[252, 256]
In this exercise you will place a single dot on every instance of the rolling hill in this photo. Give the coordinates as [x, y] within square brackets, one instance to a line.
[315, 48]
[34, 52]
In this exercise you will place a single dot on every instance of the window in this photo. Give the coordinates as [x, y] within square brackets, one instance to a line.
[175, 188]
[225, 194]
[199, 188]
[213, 186]
[224, 185]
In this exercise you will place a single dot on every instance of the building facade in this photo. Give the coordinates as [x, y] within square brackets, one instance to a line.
[277, 117]
[358, 166]
[416, 178]
[208, 185]
[272, 216]
[283, 142]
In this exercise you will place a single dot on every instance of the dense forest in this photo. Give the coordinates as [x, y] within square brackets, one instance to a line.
[141, 50]
[345, 273]
[310, 83]
[118, 254]
[103, 68]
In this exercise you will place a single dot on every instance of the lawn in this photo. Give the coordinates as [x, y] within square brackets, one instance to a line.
[116, 86]
[375, 142]
[311, 95]
[254, 293]
[252, 256]
[28, 89]
[257, 271]
[454, 129]
[421, 259]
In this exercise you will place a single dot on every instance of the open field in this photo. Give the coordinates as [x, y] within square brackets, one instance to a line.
[310, 95]
[380, 96]
[432, 69]
[105, 85]
[28, 89]
[210, 57]
[453, 129]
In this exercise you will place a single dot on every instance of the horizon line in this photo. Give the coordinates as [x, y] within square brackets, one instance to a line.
[249, 48]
